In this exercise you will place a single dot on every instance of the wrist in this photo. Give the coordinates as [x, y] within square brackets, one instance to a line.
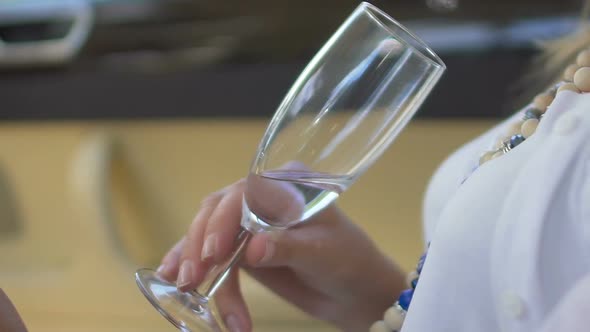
[376, 293]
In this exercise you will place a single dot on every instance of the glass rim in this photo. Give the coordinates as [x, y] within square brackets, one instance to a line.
[394, 28]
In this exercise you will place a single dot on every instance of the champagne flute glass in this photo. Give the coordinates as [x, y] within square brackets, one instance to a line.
[344, 110]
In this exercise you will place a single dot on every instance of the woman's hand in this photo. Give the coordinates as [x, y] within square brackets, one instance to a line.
[328, 266]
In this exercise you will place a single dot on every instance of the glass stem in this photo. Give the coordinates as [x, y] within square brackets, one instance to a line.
[217, 275]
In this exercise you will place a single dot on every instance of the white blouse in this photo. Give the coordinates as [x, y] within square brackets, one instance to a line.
[510, 240]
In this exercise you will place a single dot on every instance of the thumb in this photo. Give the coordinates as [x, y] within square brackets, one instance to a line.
[309, 246]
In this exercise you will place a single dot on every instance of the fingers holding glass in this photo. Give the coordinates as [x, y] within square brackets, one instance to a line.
[192, 270]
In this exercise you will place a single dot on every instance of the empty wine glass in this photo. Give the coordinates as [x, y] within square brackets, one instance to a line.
[344, 110]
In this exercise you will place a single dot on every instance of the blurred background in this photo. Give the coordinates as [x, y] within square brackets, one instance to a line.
[119, 116]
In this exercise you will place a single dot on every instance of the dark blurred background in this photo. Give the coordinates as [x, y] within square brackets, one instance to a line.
[127, 59]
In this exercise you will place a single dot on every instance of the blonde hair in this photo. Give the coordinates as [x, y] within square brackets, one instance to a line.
[556, 54]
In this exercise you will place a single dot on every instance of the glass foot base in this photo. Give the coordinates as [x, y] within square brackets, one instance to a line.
[187, 311]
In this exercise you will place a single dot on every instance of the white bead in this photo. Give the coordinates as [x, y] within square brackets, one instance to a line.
[513, 129]
[410, 277]
[497, 154]
[568, 87]
[582, 79]
[393, 318]
[379, 326]
[583, 58]
[542, 101]
[529, 127]
[486, 157]
[568, 73]
[500, 142]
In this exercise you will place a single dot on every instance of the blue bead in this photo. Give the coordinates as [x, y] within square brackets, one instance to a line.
[420, 266]
[532, 113]
[405, 298]
[516, 140]
[414, 283]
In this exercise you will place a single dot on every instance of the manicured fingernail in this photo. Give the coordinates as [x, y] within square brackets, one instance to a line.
[161, 269]
[233, 323]
[209, 247]
[185, 274]
[269, 251]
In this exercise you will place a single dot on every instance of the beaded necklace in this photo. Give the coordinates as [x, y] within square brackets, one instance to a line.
[576, 77]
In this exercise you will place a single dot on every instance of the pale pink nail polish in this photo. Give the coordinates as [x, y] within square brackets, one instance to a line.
[269, 251]
[185, 274]
[161, 269]
[209, 247]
